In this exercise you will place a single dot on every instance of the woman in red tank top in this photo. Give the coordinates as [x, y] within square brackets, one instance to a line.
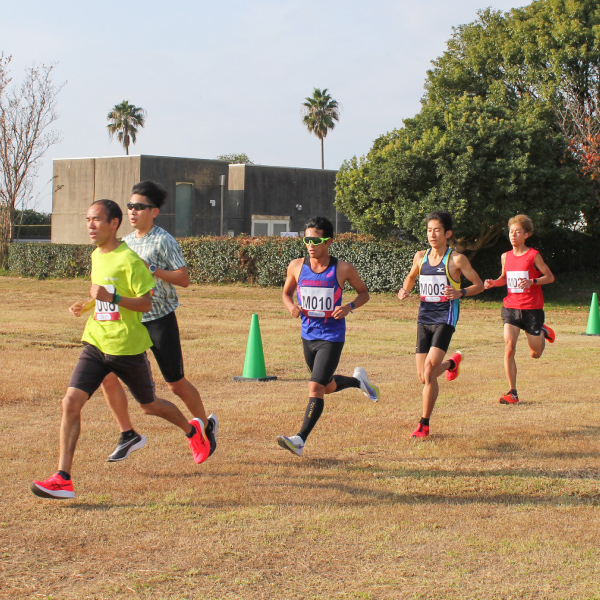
[523, 272]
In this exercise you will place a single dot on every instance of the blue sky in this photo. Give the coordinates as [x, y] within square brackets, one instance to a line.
[230, 77]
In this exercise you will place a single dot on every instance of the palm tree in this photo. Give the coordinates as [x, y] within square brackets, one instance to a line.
[320, 113]
[124, 120]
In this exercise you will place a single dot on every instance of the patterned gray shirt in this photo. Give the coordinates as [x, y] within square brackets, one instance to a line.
[158, 247]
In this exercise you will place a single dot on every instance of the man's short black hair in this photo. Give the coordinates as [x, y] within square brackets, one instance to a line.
[155, 193]
[113, 210]
[445, 218]
[322, 224]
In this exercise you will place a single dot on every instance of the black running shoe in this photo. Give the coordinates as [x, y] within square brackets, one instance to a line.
[211, 432]
[124, 449]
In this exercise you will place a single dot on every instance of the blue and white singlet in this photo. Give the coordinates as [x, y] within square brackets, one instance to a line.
[318, 295]
[435, 308]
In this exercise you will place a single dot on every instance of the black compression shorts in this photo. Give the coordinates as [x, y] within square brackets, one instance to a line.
[322, 359]
[436, 336]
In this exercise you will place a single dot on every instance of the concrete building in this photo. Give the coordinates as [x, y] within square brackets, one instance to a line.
[206, 197]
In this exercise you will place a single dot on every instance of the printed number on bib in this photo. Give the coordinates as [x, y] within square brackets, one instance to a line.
[512, 281]
[107, 311]
[431, 288]
[317, 301]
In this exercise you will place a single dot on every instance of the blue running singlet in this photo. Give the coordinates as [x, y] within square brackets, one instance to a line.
[435, 308]
[318, 295]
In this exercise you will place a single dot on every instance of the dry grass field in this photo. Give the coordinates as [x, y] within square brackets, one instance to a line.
[501, 502]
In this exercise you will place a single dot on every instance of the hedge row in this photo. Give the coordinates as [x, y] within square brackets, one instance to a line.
[263, 260]
[37, 232]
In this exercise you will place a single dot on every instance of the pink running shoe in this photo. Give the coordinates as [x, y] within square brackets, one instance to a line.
[199, 444]
[452, 374]
[54, 487]
[422, 431]
[548, 333]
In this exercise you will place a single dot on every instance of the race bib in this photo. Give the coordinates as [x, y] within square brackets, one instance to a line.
[512, 281]
[431, 288]
[107, 311]
[317, 301]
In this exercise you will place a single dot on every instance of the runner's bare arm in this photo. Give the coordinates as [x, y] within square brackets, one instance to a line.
[544, 269]
[411, 278]
[138, 304]
[78, 308]
[290, 285]
[465, 268]
[347, 272]
[180, 277]
[490, 283]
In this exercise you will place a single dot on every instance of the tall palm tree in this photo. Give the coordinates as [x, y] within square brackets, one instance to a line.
[124, 120]
[320, 113]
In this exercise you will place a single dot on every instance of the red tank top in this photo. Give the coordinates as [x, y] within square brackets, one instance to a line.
[522, 267]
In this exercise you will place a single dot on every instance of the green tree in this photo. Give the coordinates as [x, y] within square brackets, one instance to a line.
[320, 112]
[509, 124]
[124, 120]
[236, 159]
[472, 158]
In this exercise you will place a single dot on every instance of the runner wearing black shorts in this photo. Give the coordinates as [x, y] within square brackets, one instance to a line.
[439, 270]
[164, 259]
[115, 341]
[523, 272]
[318, 281]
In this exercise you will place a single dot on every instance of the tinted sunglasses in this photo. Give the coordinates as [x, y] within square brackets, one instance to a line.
[138, 206]
[314, 241]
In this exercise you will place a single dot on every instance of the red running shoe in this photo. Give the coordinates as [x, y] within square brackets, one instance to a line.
[452, 374]
[509, 398]
[548, 333]
[422, 431]
[54, 487]
[199, 444]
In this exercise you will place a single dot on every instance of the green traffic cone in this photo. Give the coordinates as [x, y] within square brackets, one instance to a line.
[593, 324]
[254, 365]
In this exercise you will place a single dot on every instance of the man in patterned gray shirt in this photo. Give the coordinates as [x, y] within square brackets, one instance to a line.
[161, 252]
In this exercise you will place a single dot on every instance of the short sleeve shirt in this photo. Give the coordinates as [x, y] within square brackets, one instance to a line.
[114, 329]
[159, 248]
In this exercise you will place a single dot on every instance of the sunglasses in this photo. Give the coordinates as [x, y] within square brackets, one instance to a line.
[314, 241]
[138, 206]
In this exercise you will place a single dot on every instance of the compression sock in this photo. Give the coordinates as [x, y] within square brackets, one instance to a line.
[342, 382]
[311, 416]
[64, 475]
[513, 392]
[424, 421]
[191, 433]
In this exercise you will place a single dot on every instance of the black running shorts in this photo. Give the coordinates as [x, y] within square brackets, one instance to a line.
[166, 346]
[530, 320]
[433, 336]
[133, 370]
[322, 359]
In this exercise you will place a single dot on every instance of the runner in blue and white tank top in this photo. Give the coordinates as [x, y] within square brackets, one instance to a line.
[433, 280]
[439, 270]
[318, 281]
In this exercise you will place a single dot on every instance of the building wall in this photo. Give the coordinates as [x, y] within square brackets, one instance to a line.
[248, 190]
[204, 175]
[80, 181]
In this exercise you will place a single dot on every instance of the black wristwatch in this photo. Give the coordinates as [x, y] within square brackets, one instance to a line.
[352, 306]
[463, 292]
[534, 280]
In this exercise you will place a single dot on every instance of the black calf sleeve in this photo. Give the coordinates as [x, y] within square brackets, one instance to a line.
[311, 416]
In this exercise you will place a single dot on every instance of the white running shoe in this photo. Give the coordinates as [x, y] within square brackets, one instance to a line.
[293, 443]
[366, 387]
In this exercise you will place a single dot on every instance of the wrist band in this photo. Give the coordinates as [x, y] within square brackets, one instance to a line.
[352, 306]
[463, 292]
[116, 298]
